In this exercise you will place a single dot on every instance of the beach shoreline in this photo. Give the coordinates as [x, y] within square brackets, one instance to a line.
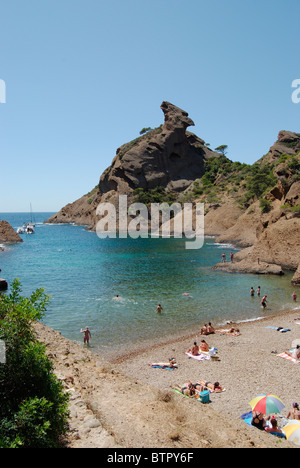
[251, 357]
[136, 406]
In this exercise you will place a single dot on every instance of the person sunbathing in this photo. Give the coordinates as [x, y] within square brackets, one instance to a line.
[295, 354]
[187, 389]
[194, 350]
[204, 346]
[274, 427]
[258, 420]
[204, 330]
[214, 387]
[171, 363]
[210, 329]
[295, 412]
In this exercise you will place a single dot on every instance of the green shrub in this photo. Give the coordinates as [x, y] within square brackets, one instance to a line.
[33, 411]
[265, 205]
[156, 195]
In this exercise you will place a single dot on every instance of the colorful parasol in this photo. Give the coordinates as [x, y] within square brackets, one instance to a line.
[292, 431]
[267, 404]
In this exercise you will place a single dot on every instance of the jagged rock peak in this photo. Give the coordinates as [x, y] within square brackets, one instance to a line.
[287, 142]
[175, 117]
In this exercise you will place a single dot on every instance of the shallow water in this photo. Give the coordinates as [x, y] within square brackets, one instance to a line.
[83, 274]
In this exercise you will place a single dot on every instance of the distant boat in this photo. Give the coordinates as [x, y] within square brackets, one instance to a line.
[29, 227]
[20, 230]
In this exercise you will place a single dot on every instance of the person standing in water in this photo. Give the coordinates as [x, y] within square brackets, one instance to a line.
[294, 295]
[87, 335]
[264, 302]
[159, 309]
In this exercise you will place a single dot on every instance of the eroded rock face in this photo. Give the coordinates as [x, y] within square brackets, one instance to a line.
[287, 142]
[167, 156]
[8, 234]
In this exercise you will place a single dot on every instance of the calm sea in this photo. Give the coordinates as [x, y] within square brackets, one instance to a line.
[83, 274]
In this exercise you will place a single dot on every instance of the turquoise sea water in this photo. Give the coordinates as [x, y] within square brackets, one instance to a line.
[83, 274]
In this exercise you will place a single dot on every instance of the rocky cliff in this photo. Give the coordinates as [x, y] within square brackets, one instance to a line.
[8, 234]
[255, 207]
[169, 157]
[268, 226]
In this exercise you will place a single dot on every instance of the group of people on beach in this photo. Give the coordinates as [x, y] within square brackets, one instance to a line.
[269, 423]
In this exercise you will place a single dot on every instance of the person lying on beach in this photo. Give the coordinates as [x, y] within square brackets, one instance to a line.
[295, 412]
[229, 331]
[258, 420]
[214, 387]
[194, 350]
[295, 354]
[187, 389]
[171, 363]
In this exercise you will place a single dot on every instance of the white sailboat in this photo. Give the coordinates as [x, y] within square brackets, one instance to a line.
[29, 227]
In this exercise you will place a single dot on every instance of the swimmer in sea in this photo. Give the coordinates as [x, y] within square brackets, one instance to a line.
[159, 309]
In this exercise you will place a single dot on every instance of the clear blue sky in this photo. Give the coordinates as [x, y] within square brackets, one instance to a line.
[85, 76]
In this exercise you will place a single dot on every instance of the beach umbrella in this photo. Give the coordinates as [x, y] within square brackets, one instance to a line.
[292, 431]
[266, 404]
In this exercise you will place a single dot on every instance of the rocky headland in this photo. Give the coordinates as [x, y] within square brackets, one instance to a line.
[256, 207]
[7, 234]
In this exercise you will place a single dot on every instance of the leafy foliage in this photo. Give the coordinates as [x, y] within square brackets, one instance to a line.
[156, 195]
[33, 411]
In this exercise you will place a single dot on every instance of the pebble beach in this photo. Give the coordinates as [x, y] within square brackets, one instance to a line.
[124, 402]
[248, 364]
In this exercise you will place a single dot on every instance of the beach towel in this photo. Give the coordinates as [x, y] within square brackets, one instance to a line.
[163, 367]
[194, 397]
[247, 417]
[289, 358]
[199, 357]
[280, 329]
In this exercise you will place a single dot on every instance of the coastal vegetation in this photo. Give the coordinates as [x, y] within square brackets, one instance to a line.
[247, 183]
[34, 409]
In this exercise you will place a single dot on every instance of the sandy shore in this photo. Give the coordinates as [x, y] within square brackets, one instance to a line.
[127, 403]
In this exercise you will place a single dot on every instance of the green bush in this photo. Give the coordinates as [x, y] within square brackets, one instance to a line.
[34, 409]
[156, 195]
[265, 205]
